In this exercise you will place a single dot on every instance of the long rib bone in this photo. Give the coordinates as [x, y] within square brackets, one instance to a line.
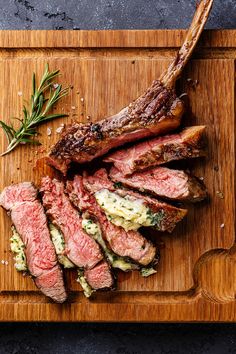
[156, 112]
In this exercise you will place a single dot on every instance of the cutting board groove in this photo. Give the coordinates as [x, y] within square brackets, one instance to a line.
[108, 69]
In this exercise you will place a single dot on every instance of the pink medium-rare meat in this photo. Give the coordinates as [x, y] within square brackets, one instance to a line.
[30, 222]
[100, 276]
[81, 249]
[169, 215]
[163, 182]
[124, 243]
[18, 193]
[157, 111]
[188, 143]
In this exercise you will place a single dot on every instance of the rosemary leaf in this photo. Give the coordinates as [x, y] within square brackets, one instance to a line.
[42, 100]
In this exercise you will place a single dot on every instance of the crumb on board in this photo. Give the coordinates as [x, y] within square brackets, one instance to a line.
[201, 178]
[222, 226]
[73, 107]
[192, 83]
[220, 194]
[19, 93]
[42, 149]
[82, 99]
[4, 262]
[88, 118]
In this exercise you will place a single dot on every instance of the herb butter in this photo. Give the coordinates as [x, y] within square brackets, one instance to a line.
[59, 244]
[116, 261]
[127, 213]
[17, 247]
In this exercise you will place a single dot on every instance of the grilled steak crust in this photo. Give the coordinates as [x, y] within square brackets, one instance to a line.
[30, 221]
[170, 214]
[124, 243]
[81, 249]
[189, 143]
[156, 112]
[163, 182]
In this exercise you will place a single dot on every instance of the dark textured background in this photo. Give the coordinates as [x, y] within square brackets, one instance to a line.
[113, 338]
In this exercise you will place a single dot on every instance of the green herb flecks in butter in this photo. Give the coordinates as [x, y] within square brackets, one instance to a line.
[59, 244]
[128, 213]
[17, 247]
[146, 272]
[84, 284]
[116, 261]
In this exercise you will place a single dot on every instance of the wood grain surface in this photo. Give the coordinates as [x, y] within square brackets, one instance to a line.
[196, 278]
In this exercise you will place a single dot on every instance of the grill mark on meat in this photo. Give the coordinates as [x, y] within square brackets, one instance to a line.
[81, 249]
[30, 222]
[189, 143]
[157, 111]
[170, 215]
[83, 144]
[126, 244]
[163, 182]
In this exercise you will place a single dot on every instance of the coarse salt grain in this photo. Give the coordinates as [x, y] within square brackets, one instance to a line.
[82, 99]
[49, 131]
[2, 261]
[59, 129]
[72, 107]
[19, 93]
[55, 86]
[222, 226]
[201, 178]
[6, 262]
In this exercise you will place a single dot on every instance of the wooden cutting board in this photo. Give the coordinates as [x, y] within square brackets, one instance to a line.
[196, 279]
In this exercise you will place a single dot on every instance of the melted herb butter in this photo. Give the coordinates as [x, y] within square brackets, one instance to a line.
[17, 247]
[84, 284]
[130, 214]
[146, 272]
[116, 261]
[59, 244]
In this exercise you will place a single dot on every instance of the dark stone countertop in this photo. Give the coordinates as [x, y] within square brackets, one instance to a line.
[19, 338]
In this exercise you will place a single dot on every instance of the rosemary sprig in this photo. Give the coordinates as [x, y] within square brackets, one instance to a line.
[37, 113]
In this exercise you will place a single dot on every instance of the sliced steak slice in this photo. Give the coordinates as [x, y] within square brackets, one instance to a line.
[157, 111]
[163, 182]
[30, 222]
[189, 143]
[81, 249]
[126, 244]
[100, 276]
[166, 215]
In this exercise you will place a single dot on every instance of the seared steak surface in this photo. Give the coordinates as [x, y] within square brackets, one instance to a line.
[156, 112]
[164, 182]
[30, 221]
[188, 143]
